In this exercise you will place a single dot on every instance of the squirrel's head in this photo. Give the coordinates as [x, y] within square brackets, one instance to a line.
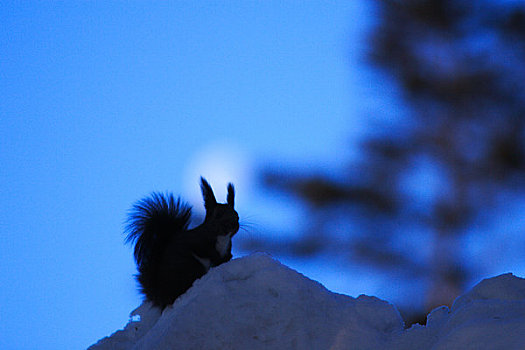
[222, 216]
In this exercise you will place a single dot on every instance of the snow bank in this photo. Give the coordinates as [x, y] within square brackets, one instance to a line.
[490, 316]
[257, 303]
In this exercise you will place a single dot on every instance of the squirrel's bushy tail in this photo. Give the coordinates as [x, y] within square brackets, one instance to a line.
[151, 223]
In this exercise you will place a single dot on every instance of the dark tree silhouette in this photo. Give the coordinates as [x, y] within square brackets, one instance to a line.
[437, 170]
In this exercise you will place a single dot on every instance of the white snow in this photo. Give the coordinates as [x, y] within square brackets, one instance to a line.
[490, 316]
[257, 303]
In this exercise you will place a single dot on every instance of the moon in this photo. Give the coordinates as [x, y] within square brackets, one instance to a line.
[220, 163]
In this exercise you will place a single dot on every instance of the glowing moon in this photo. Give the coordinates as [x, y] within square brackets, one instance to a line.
[219, 163]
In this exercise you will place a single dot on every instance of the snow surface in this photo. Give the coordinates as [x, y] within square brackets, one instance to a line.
[255, 302]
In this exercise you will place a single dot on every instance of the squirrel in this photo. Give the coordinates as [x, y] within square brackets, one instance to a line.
[169, 256]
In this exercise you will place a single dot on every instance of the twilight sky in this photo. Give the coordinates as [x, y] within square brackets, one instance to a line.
[103, 102]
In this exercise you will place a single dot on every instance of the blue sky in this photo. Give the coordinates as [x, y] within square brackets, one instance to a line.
[103, 102]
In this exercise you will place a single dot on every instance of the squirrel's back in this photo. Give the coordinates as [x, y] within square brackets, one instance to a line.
[153, 223]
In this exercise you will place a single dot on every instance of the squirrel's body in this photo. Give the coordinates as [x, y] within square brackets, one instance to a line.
[169, 256]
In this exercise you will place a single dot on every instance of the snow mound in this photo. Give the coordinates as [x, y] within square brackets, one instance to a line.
[257, 303]
[490, 316]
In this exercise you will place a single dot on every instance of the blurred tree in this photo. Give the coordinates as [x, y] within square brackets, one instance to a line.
[460, 67]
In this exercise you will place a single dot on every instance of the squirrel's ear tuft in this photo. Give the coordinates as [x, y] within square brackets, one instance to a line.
[207, 194]
[231, 195]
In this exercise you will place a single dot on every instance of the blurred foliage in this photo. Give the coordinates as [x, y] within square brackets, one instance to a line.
[438, 169]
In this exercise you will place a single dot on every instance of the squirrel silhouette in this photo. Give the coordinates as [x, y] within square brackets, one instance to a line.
[169, 256]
